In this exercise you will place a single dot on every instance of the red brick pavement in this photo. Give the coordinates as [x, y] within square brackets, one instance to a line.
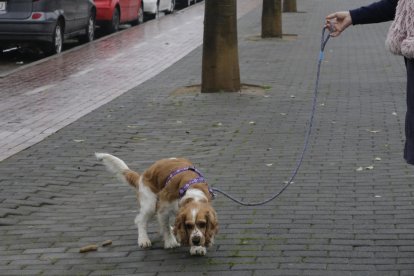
[44, 97]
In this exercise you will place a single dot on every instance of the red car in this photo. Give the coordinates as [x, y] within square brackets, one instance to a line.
[111, 13]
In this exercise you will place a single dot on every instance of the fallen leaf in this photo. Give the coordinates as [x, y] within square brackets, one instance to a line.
[106, 243]
[78, 140]
[377, 159]
[359, 169]
[369, 167]
[91, 247]
[269, 165]
[373, 131]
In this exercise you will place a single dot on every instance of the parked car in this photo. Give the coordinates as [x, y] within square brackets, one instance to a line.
[45, 23]
[153, 7]
[186, 3]
[111, 13]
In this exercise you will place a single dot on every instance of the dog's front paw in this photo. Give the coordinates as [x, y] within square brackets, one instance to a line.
[144, 242]
[198, 251]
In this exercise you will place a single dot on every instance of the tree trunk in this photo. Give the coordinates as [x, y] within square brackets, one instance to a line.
[272, 18]
[289, 6]
[220, 62]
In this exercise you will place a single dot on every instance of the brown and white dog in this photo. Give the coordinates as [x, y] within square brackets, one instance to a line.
[170, 187]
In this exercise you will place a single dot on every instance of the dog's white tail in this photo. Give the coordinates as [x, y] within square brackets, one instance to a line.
[119, 168]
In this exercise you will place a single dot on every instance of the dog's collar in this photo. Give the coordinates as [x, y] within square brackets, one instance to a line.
[199, 179]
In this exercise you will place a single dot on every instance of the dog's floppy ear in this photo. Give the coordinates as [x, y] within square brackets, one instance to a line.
[211, 227]
[179, 229]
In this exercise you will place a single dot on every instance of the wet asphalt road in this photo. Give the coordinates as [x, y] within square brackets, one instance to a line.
[13, 59]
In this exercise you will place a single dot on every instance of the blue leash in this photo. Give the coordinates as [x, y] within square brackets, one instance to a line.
[324, 41]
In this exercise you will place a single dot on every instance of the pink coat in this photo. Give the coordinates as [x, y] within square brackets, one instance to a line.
[400, 39]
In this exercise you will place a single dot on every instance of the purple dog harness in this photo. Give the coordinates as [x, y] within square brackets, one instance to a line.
[199, 179]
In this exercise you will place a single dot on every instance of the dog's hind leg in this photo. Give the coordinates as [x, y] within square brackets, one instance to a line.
[147, 201]
[141, 221]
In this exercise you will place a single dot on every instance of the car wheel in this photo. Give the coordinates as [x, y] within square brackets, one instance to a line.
[55, 47]
[172, 7]
[113, 26]
[150, 16]
[140, 18]
[157, 13]
[90, 30]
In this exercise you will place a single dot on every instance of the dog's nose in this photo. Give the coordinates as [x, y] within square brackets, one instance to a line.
[196, 240]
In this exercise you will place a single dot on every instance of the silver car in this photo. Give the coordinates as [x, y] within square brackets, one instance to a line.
[45, 23]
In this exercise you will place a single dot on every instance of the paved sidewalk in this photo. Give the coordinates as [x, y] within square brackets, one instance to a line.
[349, 212]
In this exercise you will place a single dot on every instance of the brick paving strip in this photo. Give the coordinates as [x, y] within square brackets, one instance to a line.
[39, 100]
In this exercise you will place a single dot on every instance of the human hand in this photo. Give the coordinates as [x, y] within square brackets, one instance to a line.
[339, 22]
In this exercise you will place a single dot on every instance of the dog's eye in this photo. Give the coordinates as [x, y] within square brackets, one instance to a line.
[189, 226]
[201, 224]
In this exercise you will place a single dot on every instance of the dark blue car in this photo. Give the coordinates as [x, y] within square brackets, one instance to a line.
[45, 23]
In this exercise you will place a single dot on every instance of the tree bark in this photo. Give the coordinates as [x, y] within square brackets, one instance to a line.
[289, 6]
[272, 18]
[220, 61]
